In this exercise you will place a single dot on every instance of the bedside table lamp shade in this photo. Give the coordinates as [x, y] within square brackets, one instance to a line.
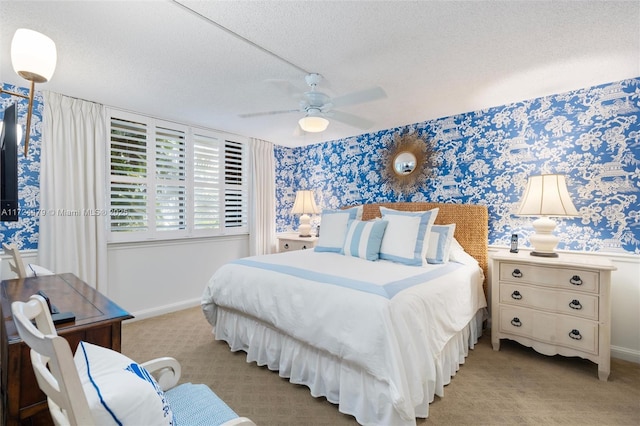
[305, 205]
[546, 195]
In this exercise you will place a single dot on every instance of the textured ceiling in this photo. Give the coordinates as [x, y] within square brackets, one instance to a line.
[432, 58]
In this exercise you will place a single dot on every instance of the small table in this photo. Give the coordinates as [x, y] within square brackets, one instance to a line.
[292, 241]
[556, 305]
[98, 321]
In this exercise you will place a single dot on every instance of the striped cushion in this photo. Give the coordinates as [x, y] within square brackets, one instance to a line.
[363, 239]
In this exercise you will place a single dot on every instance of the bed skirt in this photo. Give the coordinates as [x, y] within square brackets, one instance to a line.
[351, 387]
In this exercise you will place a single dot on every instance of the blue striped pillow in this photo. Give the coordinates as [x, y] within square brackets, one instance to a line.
[364, 238]
[440, 243]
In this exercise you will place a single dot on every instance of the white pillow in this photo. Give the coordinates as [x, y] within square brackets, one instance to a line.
[440, 239]
[406, 238]
[364, 238]
[458, 254]
[119, 390]
[333, 229]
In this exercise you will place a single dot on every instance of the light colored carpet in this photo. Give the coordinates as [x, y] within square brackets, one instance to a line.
[513, 386]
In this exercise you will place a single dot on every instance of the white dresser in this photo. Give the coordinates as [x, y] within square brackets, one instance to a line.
[555, 305]
[293, 241]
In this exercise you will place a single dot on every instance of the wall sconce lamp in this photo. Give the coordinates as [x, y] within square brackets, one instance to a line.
[305, 205]
[34, 58]
[546, 195]
[313, 122]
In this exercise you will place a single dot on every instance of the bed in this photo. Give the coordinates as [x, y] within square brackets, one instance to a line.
[378, 338]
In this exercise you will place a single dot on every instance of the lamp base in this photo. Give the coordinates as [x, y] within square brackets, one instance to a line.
[543, 241]
[543, 254]
[304, 230]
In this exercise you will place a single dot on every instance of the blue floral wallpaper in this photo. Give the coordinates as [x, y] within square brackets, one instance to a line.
[24, 232]
[484, 157]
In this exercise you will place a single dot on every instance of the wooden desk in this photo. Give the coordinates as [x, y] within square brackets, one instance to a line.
[98, 321]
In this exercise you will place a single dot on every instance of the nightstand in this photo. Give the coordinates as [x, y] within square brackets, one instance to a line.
[292, 241]
[558, 305]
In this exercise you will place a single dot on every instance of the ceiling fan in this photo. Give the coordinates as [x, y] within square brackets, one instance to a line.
[317, 106]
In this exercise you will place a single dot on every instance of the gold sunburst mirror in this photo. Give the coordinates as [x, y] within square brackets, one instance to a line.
[407, 163]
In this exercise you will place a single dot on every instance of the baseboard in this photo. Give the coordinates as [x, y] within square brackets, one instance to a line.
[625, 354]
[161, 310]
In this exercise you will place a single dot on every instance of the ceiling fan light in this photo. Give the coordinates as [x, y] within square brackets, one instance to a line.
[313, 124]
[33, 55]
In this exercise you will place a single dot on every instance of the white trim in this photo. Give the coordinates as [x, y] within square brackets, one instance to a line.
[161, 310]
[625, 354]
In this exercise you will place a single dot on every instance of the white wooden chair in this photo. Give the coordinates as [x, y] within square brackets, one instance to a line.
[17, 264]
[58, 377]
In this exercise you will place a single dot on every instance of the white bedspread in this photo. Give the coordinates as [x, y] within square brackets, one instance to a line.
[364, 315]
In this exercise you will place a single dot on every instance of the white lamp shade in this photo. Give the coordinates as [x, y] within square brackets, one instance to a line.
[33, 55]
[313, 124]
[305, 203]
[547, 195]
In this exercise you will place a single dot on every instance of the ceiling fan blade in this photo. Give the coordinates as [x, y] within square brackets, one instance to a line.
[350, 119]
[257, 114]
[359, 97]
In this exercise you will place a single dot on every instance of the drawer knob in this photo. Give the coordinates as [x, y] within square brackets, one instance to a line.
[516, 273]
[516, 322]
[575, 334]
[286, 245]
[304, 247]
[516, 295]
[575, 304]
[576, 280]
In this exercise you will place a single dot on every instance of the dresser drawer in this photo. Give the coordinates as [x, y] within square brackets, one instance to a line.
[574, 279]
[288, 245]
[566, 302]
[552, 329]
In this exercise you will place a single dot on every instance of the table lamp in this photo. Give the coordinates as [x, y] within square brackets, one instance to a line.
[305, 204]
[546, 195]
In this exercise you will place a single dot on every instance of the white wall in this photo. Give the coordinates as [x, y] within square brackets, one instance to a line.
[149, 279]
[153, 278]
[625, 305]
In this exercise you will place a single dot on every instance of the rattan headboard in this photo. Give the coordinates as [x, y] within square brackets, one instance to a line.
[472, 225]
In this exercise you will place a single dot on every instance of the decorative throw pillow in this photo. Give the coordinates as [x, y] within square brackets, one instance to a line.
[120, 391]
[406, 238]
[363, 239]
[334, 229]
[440, 239]
[358, 209]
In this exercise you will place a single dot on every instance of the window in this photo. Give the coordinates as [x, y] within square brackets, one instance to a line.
[173, 181]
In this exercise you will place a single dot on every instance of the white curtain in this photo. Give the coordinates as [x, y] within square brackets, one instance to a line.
[262, 226]
[72, 189]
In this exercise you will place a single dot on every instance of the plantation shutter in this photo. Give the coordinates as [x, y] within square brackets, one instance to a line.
[206, 181]
[170, 167]
[171, 181]
[129, 171]
[235, 186]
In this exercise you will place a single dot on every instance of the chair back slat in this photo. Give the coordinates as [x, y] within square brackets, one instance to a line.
[16, 264]
[52, 362]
